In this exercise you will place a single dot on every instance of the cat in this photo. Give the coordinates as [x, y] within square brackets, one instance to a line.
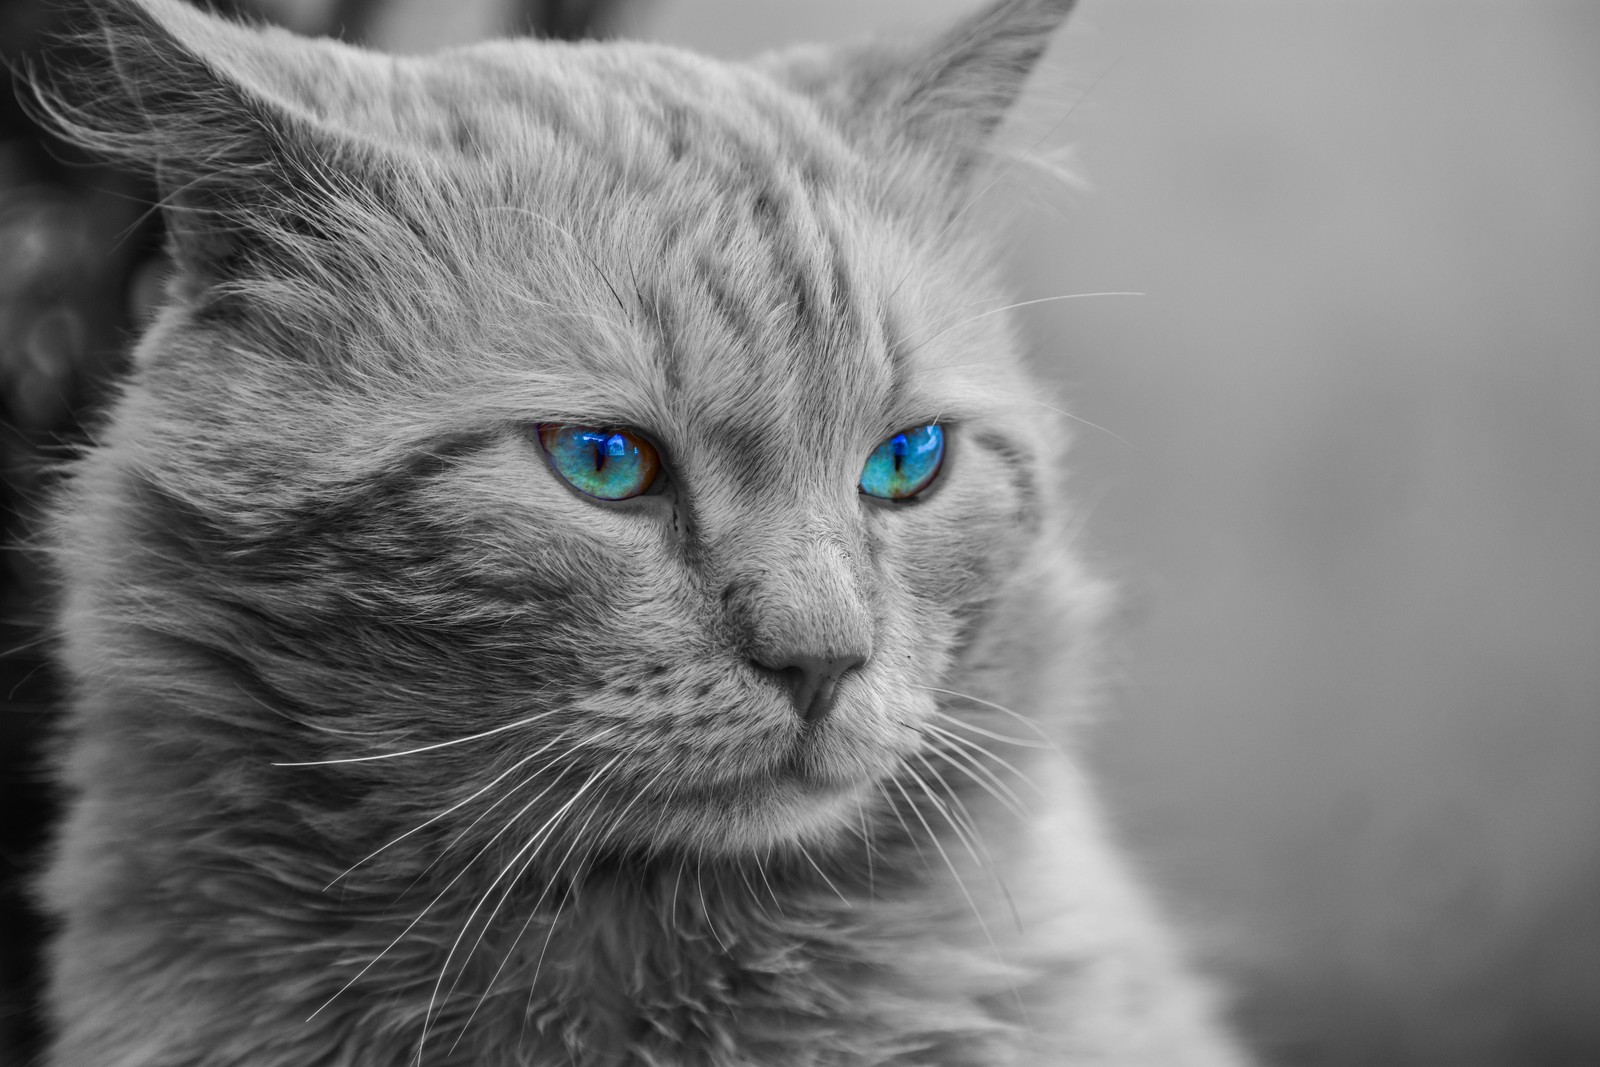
[572, 576]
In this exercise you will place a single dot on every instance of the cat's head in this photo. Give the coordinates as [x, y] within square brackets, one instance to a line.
[428, 314]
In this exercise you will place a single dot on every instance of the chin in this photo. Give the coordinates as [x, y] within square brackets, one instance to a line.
[758, 816]
[770, 792]
[787, 816]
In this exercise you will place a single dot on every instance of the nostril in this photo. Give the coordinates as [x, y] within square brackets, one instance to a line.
[812, 681]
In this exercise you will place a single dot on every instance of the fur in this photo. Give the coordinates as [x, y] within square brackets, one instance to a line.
[386, 746]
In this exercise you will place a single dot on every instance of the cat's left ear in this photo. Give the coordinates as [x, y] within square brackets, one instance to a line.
[242, 128]
[945, 95]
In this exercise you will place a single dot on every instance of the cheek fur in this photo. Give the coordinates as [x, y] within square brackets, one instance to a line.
[645, 658]
[945, 552]
[479, 596]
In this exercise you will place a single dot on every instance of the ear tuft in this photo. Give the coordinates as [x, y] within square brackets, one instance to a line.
[125, 86]
[947, 94]
[973, 73]
[175, 93]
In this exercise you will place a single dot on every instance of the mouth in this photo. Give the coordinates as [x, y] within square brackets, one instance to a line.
[811, 764]
[800, 796]
[787, 780]
[799, 772]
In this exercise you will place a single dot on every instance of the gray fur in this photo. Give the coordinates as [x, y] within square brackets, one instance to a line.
[384, 744]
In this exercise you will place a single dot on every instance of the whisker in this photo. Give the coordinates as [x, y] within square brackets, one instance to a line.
[541, 836]
[1001, 792]
[966, 830]
[532, 843]
[638, 794]
[895, 809]
[744, 876]
[509, 793]
[677, 878]
[960, 883]
[455, 807]
[705, 909]
[761, 869]
[975, 747]
[972, 838]
[948, 862]
[522, 869]
[424, 748]
[425, 909]
[1080, 419]
[1023, 719]
[538, 966]
[870, 848]
[1001, 310]
[459, 874]
[1020, 742]
[532, 911]
[829, 881]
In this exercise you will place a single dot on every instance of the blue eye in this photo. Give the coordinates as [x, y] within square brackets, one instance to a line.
[905, 464]
[606, 464]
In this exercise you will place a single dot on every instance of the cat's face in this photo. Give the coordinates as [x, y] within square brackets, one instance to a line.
[347, 484]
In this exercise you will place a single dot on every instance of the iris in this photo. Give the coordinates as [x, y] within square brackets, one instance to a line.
[605, 464]
[905, 464]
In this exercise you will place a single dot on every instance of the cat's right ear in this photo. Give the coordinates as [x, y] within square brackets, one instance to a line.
[221, 114]
[945, 95]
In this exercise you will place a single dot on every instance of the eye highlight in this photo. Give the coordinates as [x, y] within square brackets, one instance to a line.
[905, 464]
[604, 464]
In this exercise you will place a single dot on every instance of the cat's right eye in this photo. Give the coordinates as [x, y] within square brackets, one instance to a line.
[607, 464]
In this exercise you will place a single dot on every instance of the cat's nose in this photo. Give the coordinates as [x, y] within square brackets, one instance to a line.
[813, 680]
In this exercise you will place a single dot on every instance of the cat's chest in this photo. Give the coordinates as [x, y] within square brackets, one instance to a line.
[611, 985]
[770, 989]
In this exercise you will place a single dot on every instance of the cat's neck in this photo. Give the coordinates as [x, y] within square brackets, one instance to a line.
[588, 955]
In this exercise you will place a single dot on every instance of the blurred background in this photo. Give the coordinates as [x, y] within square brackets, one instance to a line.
[1343, 457]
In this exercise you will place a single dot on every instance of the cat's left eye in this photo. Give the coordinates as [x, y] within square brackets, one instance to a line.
[602, 463]
[905, 464]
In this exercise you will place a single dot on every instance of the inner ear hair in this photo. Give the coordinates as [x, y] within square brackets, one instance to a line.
[946, 94]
